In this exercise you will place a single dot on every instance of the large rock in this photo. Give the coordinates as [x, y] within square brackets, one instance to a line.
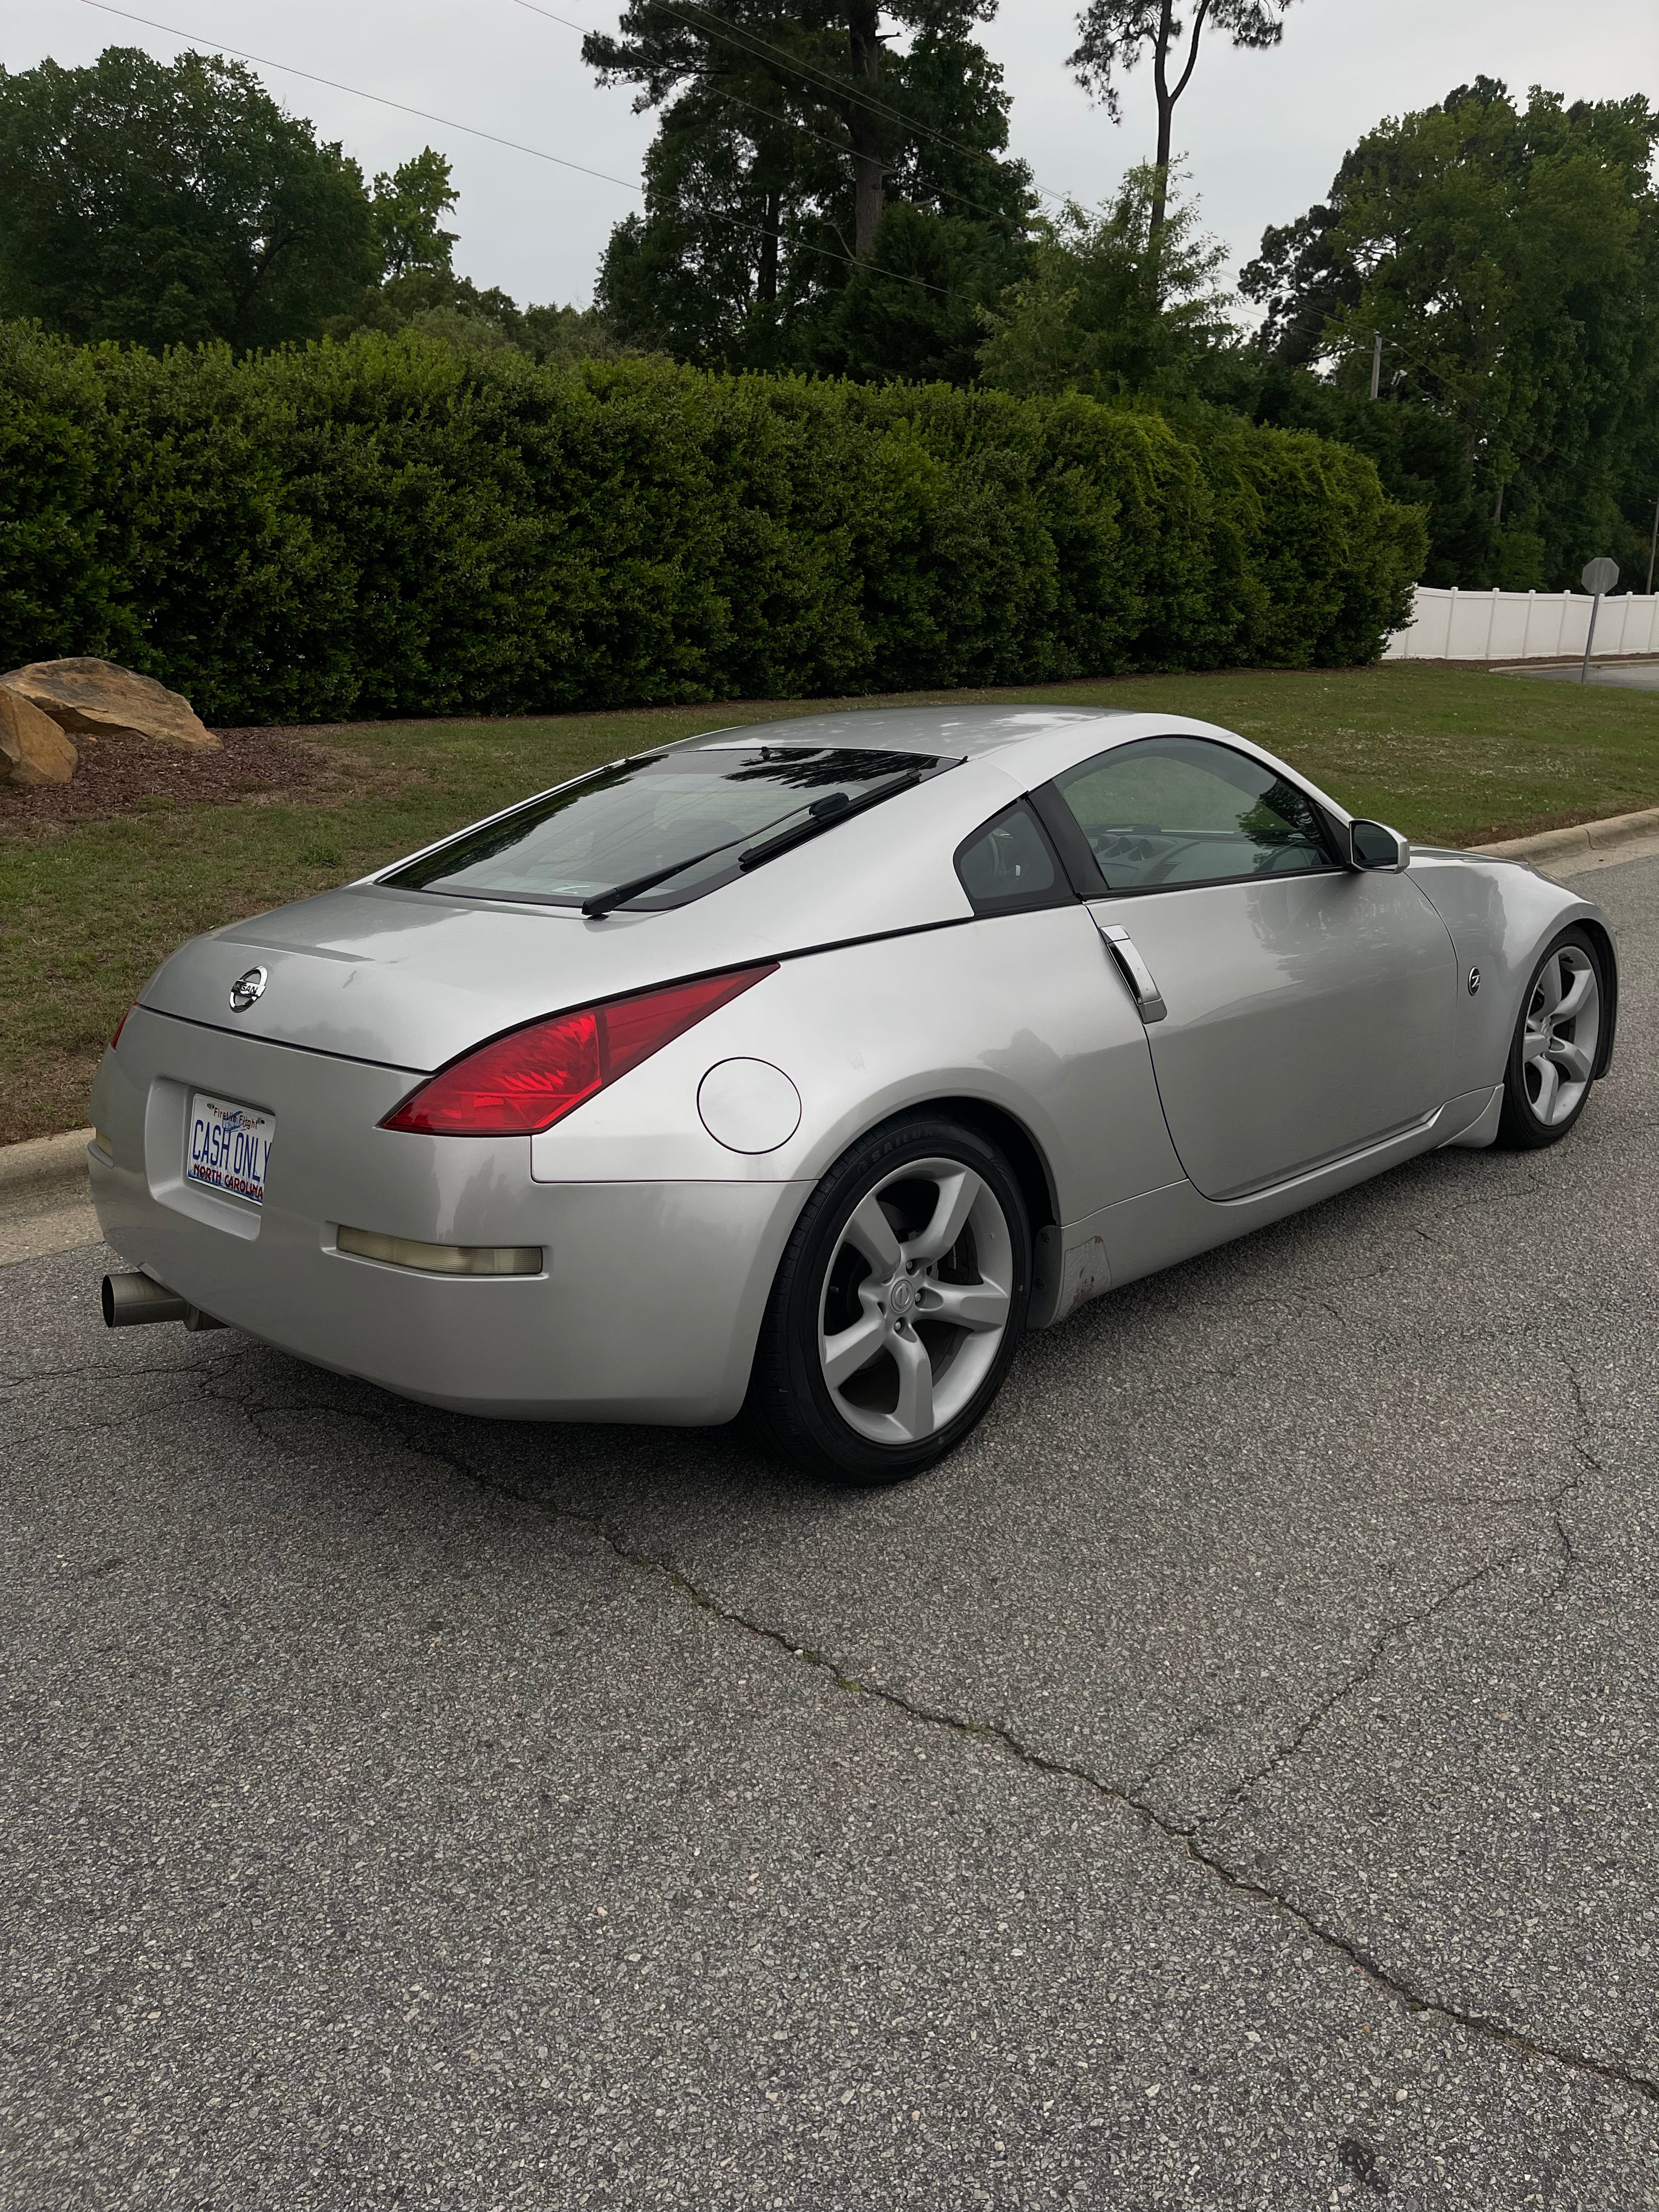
[32, 749]
[96, 699]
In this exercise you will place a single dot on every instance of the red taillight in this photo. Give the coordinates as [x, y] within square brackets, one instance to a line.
[122, 1023]
[531, 1077]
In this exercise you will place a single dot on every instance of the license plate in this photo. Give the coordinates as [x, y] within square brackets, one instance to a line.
[228, 1145]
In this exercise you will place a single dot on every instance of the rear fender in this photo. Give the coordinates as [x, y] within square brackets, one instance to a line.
[1020, 1017]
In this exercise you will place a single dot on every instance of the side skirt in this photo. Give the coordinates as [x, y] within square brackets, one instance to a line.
[1139, 1235]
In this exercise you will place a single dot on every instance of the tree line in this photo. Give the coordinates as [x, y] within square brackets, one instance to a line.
[829, 192]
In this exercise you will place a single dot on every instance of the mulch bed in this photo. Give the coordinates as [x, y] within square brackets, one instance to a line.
[140, 776]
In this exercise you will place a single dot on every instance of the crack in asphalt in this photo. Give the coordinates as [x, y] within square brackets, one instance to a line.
[1172, 1752]
[195, 1371]
[60, 1432]
[1391, 1633]
[98, 1371]
[1557, 1502]
[1185, 1834]
[1554, 1502]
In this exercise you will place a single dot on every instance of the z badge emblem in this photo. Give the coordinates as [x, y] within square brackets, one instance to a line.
[245, 989]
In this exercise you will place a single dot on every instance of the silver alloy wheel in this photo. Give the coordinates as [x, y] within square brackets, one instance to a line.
[1559, 1035]
[914, 1302]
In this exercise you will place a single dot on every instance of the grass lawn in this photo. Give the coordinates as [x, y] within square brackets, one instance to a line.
[1450, 756]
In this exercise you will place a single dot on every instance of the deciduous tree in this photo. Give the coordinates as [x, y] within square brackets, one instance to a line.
[1096, 315]
[1509, 257]
[409, 205]
[173, 203]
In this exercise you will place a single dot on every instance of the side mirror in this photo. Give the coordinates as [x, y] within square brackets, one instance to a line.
[1375, 846]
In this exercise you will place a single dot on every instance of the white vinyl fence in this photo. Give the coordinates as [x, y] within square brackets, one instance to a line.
[1457, 625]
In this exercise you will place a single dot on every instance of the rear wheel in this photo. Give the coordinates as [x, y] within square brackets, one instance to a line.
[897, 1307]
[1546, 1085]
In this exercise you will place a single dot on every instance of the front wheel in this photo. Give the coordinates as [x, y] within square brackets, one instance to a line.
[1552, 1055]
[898, 1305]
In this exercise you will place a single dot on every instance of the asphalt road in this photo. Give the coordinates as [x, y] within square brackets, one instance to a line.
[1623, 675]
[1231, 1781]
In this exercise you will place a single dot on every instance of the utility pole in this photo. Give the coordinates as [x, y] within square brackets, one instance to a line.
[1376, 367]
[1654, 548]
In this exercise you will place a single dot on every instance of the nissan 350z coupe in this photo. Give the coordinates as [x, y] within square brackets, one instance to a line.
[795, 1070]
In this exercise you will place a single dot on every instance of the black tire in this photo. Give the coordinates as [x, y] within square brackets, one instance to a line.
[1521, 1127]
[791, 1410]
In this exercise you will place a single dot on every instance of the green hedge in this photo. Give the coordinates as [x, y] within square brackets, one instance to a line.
[389, 526]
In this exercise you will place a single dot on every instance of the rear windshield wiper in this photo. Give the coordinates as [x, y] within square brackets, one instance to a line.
[824, 815]
[601, 904]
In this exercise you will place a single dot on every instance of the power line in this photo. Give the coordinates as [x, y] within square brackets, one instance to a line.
[735, 99]
[944, 191]
[752, 42]
[356, 92]
[516, 145]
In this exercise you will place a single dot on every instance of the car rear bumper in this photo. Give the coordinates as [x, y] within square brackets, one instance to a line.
[649, 1302]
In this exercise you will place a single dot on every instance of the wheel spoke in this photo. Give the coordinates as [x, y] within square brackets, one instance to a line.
[1549, 1085]
[915, 1411]
[1581, 989]
[850, 1349]
[957, 1194]
[967, 1305]
[1571, 1059]
[1535, 1043]
[871, 1233]
[1549, 985]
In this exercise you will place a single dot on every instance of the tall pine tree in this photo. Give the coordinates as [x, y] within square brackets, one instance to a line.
[828, 186]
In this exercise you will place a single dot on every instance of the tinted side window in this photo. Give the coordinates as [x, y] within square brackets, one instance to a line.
[1169, 810]
[1007, 865]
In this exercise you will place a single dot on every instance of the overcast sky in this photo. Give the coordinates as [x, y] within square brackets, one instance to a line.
[1265, 132]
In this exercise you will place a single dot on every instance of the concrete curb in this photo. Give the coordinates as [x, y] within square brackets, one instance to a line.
[45, 1197]
[44, 1171]
[1583, 837]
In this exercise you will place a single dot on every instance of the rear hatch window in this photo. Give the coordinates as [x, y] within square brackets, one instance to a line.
[660, 830]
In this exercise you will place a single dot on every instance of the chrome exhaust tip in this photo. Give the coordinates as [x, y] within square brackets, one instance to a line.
[129, 1299]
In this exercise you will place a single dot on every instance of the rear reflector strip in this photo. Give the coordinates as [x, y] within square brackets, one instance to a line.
[441, 1259]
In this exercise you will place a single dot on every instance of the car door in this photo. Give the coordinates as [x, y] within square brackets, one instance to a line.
[1076, 1052]
[1297, 1010]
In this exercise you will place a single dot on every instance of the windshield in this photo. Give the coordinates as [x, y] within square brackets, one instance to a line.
[689, 820]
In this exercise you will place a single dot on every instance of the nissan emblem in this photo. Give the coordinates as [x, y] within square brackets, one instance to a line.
[245, 989]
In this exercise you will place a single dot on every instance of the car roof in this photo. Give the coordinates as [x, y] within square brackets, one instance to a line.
[1020, 741]
[948, 732]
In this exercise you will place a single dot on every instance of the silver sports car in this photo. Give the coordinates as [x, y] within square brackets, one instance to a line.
[795, 1070]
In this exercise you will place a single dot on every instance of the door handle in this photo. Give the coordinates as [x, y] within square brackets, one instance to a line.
[1149, 1000]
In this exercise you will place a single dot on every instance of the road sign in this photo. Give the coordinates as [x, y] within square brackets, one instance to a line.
[1598, 576]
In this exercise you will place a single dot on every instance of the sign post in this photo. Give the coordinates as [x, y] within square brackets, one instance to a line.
[1598, 576]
